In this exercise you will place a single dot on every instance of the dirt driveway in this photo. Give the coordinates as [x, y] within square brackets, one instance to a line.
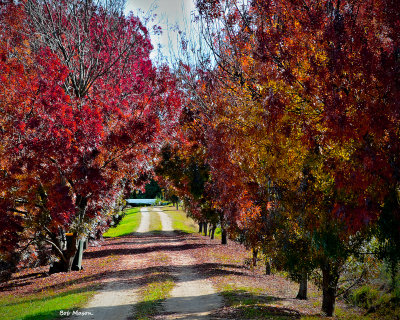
[193, 296]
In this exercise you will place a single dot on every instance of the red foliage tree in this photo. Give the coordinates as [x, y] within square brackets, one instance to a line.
[94, 116]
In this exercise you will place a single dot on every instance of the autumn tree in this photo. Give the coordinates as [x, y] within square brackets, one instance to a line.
[96, 114]
[306, 93]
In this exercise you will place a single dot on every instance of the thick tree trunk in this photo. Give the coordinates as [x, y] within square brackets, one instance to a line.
[43, 254]
[69, 253]
[200, 227]
[255, 254]
[302, 294]
[213, 231]
[330, 277]
[223, 236]
[205, 228]
[267, 267]
[66, 256]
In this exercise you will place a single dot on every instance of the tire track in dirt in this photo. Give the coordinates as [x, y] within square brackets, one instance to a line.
[144, 221]
[117, 298]
[191, 298]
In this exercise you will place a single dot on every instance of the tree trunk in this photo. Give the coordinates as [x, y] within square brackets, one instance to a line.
[200, 227]
[302, 294]
[255, 254]
[66, 256]
[69, 253]
[177, 205]
[43, 254]
[205, 228]
[330, 277]
[223, 236]
[213, 231]
[267, 267]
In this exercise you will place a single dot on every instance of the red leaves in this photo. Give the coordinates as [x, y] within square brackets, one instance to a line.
[81, 108]
[60, 205]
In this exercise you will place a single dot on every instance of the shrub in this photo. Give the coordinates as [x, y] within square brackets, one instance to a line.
[365, 297]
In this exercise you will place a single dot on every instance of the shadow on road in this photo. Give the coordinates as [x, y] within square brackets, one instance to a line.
[124, 277]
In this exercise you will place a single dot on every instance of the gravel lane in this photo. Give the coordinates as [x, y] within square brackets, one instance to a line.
[191, 298]
[116, 299]
[145, 220]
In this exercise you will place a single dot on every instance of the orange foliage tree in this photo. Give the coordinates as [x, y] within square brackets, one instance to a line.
[300, 116]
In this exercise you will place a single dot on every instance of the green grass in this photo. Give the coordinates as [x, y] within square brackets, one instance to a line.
[43, 306]
[155, 221]
[180, 221]
[153, 293]
[129, 223]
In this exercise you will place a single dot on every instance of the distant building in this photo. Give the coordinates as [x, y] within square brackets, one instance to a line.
[134, 202]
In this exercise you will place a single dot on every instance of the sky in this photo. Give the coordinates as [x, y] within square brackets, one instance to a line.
[169, 13]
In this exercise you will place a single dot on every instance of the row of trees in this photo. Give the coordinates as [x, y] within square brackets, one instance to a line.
[82, 113]
[289, 135]
[291, 130]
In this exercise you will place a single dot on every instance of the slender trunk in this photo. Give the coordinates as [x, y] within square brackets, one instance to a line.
[200, 227]
[330, 277]
[255, 254]
[223, 230]
[267, 267]
[223, 236]
[205, 228]
[177, 205]
[302, 294]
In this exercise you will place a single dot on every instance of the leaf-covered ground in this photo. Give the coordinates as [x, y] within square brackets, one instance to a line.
[247, 293]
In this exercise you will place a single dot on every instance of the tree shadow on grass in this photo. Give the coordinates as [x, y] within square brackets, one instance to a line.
[138, 241]
[93, 313]
[241, 304]
[141, 310]
[125, 277]
[154, 310]
[149, 238]
[46, 296]
[133, 251]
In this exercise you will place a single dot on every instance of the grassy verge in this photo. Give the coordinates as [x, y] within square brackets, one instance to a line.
[180, 221]
[250, 302]
[129, 223]
[43, 306]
